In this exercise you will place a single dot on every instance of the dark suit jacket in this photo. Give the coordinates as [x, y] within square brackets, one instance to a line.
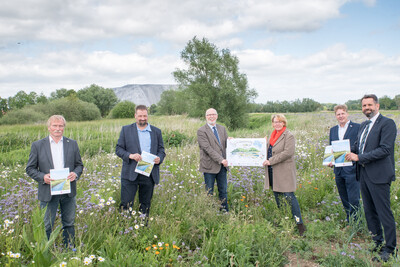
[378, 156]
[128, 143]
[211, 151]
[40, 162]
[351, 133]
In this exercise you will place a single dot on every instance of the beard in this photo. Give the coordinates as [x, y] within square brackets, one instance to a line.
[142, 123]
[369, 113]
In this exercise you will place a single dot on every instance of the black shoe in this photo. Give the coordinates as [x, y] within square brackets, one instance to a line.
[377, 248]
[384, 256]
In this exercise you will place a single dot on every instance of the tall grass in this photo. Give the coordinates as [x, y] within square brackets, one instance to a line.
[186, 227]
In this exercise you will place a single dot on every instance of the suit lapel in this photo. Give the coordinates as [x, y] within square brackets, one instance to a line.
[280, 138]
[66, 148]
[210, 132]
[153, 148]
[135, 137]
[335, 132]
[348, 131]
[47, 150]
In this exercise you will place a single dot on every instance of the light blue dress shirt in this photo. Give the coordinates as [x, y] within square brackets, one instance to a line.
[144, 138]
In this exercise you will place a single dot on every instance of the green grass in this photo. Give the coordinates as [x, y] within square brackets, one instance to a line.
[186, 227]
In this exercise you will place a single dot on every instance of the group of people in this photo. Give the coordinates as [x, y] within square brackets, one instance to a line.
[372, 146]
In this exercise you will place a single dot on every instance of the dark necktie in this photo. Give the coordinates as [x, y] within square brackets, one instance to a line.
[215, 133]
[364, 137]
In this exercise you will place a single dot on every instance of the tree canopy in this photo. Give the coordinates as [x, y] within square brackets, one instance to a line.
[104, 99]
[212, 79]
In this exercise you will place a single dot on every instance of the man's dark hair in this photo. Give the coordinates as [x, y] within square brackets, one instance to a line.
[140, 107]
[374, 97]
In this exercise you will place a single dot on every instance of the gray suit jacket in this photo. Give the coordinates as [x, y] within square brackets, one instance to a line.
[40, 162]
[211, 152]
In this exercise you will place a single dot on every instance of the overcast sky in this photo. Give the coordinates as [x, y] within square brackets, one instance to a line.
[327, 50]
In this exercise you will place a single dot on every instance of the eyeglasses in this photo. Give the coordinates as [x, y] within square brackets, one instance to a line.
[208, 115]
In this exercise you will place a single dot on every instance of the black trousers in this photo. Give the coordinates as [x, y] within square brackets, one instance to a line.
[145, 185]
[376, 201]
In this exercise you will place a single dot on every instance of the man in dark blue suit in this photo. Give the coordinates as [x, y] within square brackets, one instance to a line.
[345, 177]
[56, 152]
[133, 140]
[374, 153]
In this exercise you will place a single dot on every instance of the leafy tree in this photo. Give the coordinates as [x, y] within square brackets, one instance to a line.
[212, 79]
[354, 104]
[173, 102]
[104, 99]
[124, 109]
[387, 103]
[20, 100]
[61, 93]
[397, 100]
[41, 99]
[3, 106]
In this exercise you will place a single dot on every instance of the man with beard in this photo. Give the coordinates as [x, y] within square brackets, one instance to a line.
[374, 153]
[133, 140]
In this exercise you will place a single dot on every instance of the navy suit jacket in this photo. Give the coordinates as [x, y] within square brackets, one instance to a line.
[378, 156]
[351, 133]
[128, 143]
[40, 162]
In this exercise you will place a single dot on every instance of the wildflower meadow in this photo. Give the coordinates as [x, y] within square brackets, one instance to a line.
[185, 227]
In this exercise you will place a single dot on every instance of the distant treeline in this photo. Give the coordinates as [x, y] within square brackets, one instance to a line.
[90, 103]
[309, 105]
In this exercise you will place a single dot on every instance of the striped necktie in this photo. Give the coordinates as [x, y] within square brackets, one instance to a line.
[216, 134]
[364, 137]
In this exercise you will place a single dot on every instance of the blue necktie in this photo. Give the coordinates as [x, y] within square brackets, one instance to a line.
[364, 137]
[216, 134]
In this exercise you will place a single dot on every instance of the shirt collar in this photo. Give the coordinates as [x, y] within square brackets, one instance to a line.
[373, 119]
[147, 129]
[346, 125]
[52, 141]
[211, 126]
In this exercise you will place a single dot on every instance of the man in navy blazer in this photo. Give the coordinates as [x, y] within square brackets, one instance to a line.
[133, 140]
[56, 152]
[345, 177]
[374, 153]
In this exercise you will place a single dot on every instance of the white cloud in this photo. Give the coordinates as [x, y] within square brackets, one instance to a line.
[79, 21]
[331, 75]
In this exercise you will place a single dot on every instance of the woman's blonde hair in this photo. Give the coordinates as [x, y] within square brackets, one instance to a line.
[280, 117]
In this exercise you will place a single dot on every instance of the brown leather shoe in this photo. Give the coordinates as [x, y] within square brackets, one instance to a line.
[302, 228]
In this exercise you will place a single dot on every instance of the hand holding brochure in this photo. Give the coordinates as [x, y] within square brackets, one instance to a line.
[328, 156]
[146, 164]
[340, 149]
[59, 184]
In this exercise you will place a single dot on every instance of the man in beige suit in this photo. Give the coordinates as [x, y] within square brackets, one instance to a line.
[212, 142]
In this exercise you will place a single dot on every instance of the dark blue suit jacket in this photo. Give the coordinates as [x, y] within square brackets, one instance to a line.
[351, 133]
[40, 162]
[378, 156]
[128, 143]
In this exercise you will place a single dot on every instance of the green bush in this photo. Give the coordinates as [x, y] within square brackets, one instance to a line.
[174, 138]
[22, 116]
[73, 109]
[123, 110]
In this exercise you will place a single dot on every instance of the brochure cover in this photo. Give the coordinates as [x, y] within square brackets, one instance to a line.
[59, 184]
[328, 156]
[146, 164]
[340, 149]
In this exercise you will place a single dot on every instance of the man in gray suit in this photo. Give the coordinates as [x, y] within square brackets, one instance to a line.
[212, 139]
[56, 152]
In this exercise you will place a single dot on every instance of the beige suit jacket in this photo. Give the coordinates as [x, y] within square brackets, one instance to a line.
[211, 152]
[283, 164]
